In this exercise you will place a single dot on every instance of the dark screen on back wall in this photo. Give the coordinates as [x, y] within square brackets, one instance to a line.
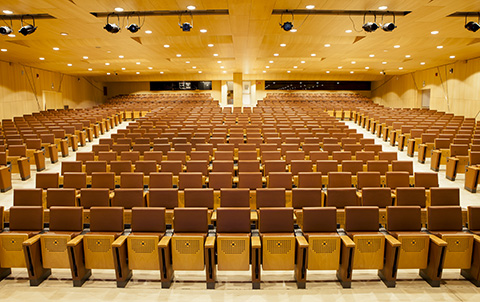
[181, 85]
[317, 85]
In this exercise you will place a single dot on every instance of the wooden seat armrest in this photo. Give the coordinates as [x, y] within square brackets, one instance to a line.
[476, 238]
[31, 241]
[75, 241]
[347, 241]
[302, 242]
[436, 151]
[392, 241]
[210, 242]
[437, 241]
[119, 241]
[164, 242]
[256, 243]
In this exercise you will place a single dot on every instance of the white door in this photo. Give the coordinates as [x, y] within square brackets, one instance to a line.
[426, 98]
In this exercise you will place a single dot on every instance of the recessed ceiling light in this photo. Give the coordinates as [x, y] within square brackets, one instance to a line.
[384, 63]
[188, 62]
[222, 67]
[108, 73]
[166, 46]
[275, 54]
[148, 32]
[123, 68]
[199, 71]
[138, 72]
[7, 12]
[194, 67]
[283, 45]
[295, 66]
[372, 55]
[270, 62]
[293, 30]
[327, 45]
[138, 63]
[118, 9]
[64, 34]
[215, 54]
[203, 30]
[400, 68]
[382, 72]
[452, 57]
[150, 68]
[69, 64]
[313, 54]
[191, 7]
[267, 66]
[56, 48]
[367, 67]
[353, 62]
[348, 31]
[108, 51]
[121, 57]
[210, 45]
[224, 71]
[435, 32]
[107, 64]
[179, 55]
[408, 56]
[310, 6]
[219, 62]
[396, 46]
[328, 71]
[90, 69]
[422, 63]
[264, 71]
[161, 72]
[288, 71]
[12, 35]
[3, 49]
[383, 7]
[439, 46]
[352, 71]
[41, 58]
[85, 57]
[340, 67]
[303, 62]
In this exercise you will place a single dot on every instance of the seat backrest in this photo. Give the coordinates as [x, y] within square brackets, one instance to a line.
[95, 166]
[474, 218]
[458, 150]
[234, 197]
[411, 196]
[352, 166]
[325, 166]
[426, 179]
[270, 197]
[444, 218]
[26, 218]
[106, 219]
[306, 197]
[128, 198]
[275, 220]
[103, 180]
[131, 180]
[146, 167]
[94, 197]
[17, 150]
[341, 197]
[27, 197]
[309, 179]
[365, 156]
[251, 180]
[189, 180]
[445, 196]
[163, 197]
[195, 198]
[339, 179]
[66, 219]
[71, 166]
[190, 220]
[174, 166]
[61, 197]
[318, 219]
[148, 220]
[161, 180]
[380, 197]
[361, 219]
[388, 156]
[402, 165]
[233, 220]
[76, 180]
[85, 156]
[404, 218]
[397, 179]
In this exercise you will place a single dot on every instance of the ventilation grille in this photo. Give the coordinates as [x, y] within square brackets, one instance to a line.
[187, 247]
[143, 246]
[233, 247]
[55, 245]
[12, 244]
[98, 245]
[324, 246]
[275, 246]
[413, 245]
[457, 245]
[369, 245]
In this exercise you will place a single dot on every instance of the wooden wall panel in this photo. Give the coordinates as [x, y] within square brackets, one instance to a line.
[21, 89]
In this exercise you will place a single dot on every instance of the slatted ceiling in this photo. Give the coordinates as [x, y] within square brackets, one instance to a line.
[249, 34]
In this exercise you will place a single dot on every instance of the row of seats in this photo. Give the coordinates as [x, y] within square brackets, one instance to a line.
[233, 246]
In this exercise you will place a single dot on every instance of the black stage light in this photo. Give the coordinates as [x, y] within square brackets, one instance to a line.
[370, 27]
[112, 27]
[29, 28]
[388, 26]
[5, 30]
[186, 26]
[133, 28]
[287, 26]
[472, 26]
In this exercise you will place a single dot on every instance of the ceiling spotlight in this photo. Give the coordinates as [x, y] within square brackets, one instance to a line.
[5, 30]
[112, 27]
[186, 26]
[29, 28]
[288, 25]
[133, 28]
[472, 26]
[370, 27]
[388, 26]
